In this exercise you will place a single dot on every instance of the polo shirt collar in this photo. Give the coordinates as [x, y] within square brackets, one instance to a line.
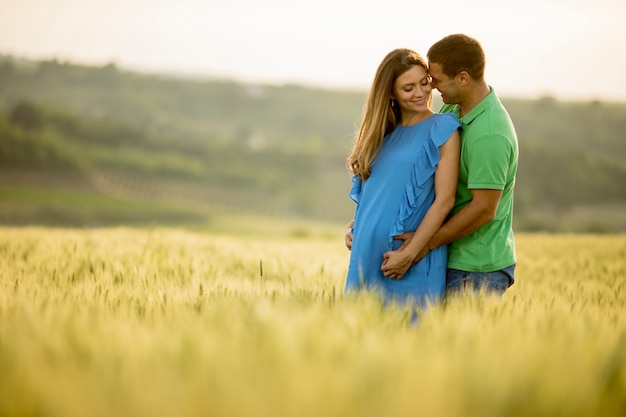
[483, 105]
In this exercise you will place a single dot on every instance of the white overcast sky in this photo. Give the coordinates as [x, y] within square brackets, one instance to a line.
[570, 49]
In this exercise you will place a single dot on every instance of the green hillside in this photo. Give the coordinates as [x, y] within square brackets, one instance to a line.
[99, 145]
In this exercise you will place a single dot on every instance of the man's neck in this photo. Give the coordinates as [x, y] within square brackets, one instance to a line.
[479, 91]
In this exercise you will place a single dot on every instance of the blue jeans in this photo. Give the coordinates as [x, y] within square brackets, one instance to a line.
[495, 282]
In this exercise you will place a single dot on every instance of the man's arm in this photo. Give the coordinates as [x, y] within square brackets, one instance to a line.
[490, 156]
[480, 211]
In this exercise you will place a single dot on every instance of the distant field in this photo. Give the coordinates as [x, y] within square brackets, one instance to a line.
[166, 322]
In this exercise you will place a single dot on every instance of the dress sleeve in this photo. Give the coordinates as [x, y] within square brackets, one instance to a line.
[425, 166]
[355, 191]
[440, 131]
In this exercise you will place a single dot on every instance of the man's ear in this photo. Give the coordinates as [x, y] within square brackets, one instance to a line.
[464, 78]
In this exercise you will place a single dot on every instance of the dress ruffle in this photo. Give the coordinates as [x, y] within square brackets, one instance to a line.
[355, 191]
[425, 166]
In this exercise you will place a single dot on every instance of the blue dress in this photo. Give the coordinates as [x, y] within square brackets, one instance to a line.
[395, 199]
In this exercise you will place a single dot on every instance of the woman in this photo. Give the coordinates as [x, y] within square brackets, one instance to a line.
[405, 167]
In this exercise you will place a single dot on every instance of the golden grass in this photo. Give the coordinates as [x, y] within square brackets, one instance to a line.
[164, 322]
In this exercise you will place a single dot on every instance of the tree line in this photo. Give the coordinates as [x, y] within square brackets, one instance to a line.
[275, 147]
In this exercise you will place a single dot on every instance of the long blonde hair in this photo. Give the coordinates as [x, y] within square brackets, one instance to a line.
[380, 114]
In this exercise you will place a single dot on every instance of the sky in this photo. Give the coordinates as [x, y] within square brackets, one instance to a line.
[568, 49]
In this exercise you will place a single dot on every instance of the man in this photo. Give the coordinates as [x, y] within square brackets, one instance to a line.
[481, 251]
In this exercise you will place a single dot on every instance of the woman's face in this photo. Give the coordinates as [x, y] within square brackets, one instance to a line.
[412, 90]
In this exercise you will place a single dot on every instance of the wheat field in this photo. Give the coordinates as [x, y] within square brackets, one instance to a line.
[167, 322]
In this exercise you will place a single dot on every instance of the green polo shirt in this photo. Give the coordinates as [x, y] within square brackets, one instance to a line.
[489, 161]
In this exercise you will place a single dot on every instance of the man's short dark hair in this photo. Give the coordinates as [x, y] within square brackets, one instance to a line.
[457, 53]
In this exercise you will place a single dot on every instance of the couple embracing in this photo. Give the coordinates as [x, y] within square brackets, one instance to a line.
[433, 191]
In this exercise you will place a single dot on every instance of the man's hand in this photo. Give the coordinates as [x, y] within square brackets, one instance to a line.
[348, 235]
[405, 238]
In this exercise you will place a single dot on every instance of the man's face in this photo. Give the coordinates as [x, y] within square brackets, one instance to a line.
[446, 86]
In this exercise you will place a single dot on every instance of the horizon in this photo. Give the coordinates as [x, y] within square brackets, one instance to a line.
[216, 78]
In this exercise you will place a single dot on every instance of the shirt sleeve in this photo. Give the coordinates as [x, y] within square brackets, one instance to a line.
[489, 162]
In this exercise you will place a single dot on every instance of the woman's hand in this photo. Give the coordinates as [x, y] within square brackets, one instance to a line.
[396, 263]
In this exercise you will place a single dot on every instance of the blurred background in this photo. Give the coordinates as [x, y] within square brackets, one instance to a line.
[179, 113]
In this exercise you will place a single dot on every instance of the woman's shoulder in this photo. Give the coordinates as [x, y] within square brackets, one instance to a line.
[443, 126]
[445, 121]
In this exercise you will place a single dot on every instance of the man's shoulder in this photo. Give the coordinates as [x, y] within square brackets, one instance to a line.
[494, 120]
